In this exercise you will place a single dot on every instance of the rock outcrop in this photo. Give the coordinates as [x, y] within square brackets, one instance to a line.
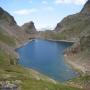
[6, 17]
[86, 8]
[29, 28]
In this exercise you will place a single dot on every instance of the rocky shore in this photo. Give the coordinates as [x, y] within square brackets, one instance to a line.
[77, 66]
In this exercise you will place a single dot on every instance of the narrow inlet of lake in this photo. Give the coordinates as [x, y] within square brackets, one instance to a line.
[47, 58]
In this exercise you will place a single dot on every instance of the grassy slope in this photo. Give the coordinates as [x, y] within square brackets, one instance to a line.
[6, 39]
[82, 81]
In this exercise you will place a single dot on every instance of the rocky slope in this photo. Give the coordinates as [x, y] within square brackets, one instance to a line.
[73, 26]
[11, 34]
[10, 28]
[29, 28]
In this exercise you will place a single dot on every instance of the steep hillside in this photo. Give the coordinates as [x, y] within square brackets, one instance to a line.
[79, 54]
[72, 26]
[5, 16]
[11, 34]
[29, 28]
[10, 28]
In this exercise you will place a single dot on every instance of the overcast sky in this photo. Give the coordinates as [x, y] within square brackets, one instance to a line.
[44, 13]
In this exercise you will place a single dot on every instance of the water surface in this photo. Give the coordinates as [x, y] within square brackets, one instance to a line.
[47, 58]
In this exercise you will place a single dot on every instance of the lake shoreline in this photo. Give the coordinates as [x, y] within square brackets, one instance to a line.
[72, 64]
[76, 67]
[41, 75]
[28, 41]
[23, 44]
[67, 41]
[80, 69]
[51, 46]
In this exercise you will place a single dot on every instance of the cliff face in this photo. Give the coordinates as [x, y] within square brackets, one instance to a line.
[29, 28]
[86, 8]
[9, 27]
[5, 16]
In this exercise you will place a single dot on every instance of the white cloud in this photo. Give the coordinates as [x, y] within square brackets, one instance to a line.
[77, 2]
[44, 2]
[25, 11]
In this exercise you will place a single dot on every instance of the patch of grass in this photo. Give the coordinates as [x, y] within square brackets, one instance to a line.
[83, 80]
[42, 85]
[6, 39]
[4, 59]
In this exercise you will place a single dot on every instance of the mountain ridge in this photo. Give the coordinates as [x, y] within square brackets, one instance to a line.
[4, 15]
[29, 27]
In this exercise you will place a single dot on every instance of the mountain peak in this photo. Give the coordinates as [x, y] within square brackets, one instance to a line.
[1, 9]
[5, 16]
[86, 8]
[29, 27]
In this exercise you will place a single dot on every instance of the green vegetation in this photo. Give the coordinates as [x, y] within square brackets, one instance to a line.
[3, 58]
[83, 80]
[6, 39]
[42, 85]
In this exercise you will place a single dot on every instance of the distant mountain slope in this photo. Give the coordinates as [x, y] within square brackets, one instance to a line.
[10, 28]
[5, 16]
[29, 28]
[11, 35]
[72, 26]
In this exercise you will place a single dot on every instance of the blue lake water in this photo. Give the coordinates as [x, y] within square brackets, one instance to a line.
[47, 58]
